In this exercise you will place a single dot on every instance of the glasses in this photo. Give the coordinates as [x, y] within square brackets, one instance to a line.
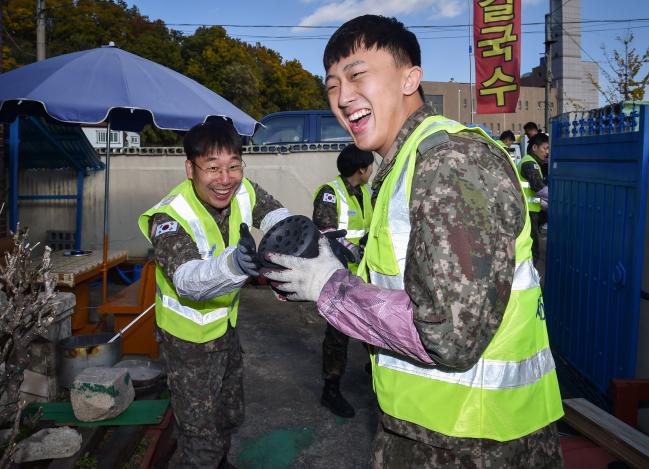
[234, 169]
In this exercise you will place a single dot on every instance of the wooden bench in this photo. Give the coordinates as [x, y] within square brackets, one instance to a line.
[615, 436]
[126, 305]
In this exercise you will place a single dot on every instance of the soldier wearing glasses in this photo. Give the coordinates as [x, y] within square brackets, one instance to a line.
[204, 254]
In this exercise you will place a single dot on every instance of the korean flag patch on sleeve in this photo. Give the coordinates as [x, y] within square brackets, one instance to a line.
[166, 227]
[329, 198]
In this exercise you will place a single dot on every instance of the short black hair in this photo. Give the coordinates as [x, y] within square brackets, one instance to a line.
[530, 126]
[351, 159]
[216, 134]
[538, 139]
[507, 134]
[373, 31]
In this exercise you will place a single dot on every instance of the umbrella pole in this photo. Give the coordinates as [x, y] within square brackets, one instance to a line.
[104, 267]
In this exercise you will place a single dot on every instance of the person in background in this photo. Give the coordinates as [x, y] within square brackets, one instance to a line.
[534, 187]
[204, 253]
[343, 204]
[507, 140]
[446, 293]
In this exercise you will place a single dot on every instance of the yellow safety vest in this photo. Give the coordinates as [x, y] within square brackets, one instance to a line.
[512, 390]
[350, 215]
[533, 200]
[198, 321]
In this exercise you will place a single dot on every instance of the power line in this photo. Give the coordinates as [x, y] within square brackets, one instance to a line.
[297, 26]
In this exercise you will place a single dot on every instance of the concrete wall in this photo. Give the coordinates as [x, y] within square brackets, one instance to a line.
[138, 182]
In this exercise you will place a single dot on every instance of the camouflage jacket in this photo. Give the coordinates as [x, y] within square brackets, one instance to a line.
[466, 211]
[531, 172]
[325, 214]
[173, 249]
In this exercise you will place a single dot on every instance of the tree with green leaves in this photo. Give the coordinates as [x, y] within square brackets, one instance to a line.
[628, 76]
[253, 77]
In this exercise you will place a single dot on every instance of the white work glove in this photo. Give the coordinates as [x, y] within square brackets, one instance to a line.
[304, 279]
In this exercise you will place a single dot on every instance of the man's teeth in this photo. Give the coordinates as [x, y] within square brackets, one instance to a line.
[358, 114]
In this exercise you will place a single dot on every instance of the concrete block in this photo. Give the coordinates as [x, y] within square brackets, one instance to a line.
[42, 357]
[49, 443]
[39, 387]
[61, 328]
[100, 393]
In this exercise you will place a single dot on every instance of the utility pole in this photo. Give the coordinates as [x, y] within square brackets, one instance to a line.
[548, 69]
[40, 30]
[468, 6]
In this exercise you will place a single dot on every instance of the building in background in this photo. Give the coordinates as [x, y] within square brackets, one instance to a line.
[572, 77]
[118, 139]
[452, 100]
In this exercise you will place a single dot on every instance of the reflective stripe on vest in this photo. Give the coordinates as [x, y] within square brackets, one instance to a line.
[533, 201]
[343, 212]
[486, 374]
[192, 314]
[180, 205]
[243, 200]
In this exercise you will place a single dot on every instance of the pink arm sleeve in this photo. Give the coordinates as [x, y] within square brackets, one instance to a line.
[377, 316]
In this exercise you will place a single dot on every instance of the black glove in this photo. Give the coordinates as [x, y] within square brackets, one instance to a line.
[245, 256]
[344, 255]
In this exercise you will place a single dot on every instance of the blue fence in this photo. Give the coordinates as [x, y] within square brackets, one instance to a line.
[598, 200]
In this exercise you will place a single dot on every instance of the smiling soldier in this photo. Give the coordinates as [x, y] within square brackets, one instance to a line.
[446, 292]
[204, 253]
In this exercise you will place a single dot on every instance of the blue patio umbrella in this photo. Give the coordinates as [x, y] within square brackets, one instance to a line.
[112, 86]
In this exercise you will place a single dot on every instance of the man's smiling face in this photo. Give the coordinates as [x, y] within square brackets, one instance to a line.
[216, 177]
[366, 92]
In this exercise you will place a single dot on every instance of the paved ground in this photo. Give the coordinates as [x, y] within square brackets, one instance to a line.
[285, 424]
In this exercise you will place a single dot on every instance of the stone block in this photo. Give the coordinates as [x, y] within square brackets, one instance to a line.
[61, 328]
[42, 357]
[37, 387]
[49, 443]
[100, 393]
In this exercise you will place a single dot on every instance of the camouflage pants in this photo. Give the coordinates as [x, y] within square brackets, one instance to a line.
[206, 385]
[539, 450]
[334, 353]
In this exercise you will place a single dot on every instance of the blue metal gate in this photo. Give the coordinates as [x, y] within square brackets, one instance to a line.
[598, 197]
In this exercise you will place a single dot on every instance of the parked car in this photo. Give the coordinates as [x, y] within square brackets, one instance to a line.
[299, 127]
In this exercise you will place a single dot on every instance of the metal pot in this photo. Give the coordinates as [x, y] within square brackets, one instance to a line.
[79, 352]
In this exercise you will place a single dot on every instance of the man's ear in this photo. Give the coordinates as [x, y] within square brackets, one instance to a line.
[412, 80]
[189, 169]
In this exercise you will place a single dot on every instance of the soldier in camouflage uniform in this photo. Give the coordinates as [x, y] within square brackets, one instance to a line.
[355, 169]
[198, 339]
[435, 318]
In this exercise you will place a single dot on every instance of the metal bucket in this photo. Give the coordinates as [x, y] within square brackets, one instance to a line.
[79, 352]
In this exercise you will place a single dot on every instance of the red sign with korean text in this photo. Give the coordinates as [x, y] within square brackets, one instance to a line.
[497, 41]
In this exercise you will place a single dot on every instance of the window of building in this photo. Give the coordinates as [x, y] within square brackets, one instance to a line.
[527, 107]
[101, 137]
[520, 105]
[436, 101]
[498, 126]
[520, 127]
[465, 103]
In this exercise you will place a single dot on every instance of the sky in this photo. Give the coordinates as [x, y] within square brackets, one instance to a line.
[440, 25]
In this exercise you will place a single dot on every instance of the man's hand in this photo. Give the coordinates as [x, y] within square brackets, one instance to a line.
[244, 257]
[344, 251]
[303, 279]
